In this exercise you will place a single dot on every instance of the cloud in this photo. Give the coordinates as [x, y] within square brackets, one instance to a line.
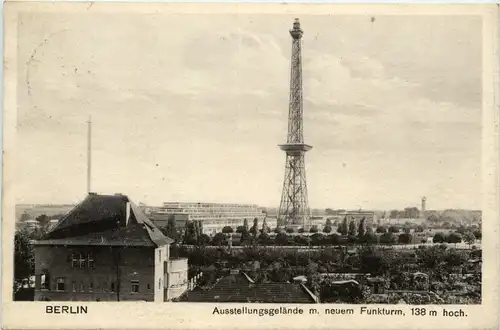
[211, 108]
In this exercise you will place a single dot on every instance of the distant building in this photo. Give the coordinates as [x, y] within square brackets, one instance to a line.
[402, 221]
[106, 249]
[29, 225]
[214, 216]
[369, 216]
[161, 219]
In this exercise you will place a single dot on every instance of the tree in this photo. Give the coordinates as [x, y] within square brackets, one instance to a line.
[43, 220]
[381, 230]
[227, 230]
[477, 234]
[204, 239]
[186, 237]
[387, 238]
[281, 239]
[454, 238]
[200, 228]
[219, 239]
[404, 238]
[433, 218]
[469, 238]
[411, 212]
[191, 232]
[393, 229]
[327, 229]
[301, 230]
[328, 222]
[406, 230]
[25, 216]
[343, 229]
[289, 230]
[394, 214]
[419, 229]
[446, 225]
[352, 239]
[265, 227]
[362, 228]
[243, 230]
[313, 229]
[170, 230]
[438, 238]
[264, 239]
[58, 216]
[196, 231]
[352, 228]
[255, 228]
[24, 259]
[317, 239]
[368, 238]
[461, 229]
[333, 239]
[301, 240]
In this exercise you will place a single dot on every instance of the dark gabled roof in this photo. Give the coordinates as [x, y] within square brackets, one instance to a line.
[241, 290]
[102, 220]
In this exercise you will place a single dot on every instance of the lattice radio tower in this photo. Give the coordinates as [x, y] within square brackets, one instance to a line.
[294, 208]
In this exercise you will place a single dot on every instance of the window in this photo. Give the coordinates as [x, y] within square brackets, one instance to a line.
[149, 286]
[44, 280]
[135, 286]
[82, 260]
[60, 284]
[82, 287]
[74, 286]
[159, 255]
[90, 260]
[91, 286]
[74, 260]
[159, 283]
[112, 286]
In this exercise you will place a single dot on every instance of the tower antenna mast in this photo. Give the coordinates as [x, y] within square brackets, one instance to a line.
[89, 154]
[294, 207]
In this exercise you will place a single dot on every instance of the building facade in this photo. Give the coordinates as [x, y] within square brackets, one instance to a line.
[106, 249]
[357, 216]
[213, 216]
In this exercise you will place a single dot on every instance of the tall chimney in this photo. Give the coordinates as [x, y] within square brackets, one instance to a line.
[89, 154]
[423, 207]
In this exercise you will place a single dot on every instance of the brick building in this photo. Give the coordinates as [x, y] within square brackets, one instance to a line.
[106, 249]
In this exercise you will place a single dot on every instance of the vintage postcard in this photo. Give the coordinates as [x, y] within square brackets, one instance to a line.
[242, 166]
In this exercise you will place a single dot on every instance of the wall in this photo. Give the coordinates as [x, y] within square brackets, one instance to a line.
[135, 264]
[161, 255]
[176, 274]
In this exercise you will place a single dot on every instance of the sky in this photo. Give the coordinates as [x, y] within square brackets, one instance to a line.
[189, 107]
